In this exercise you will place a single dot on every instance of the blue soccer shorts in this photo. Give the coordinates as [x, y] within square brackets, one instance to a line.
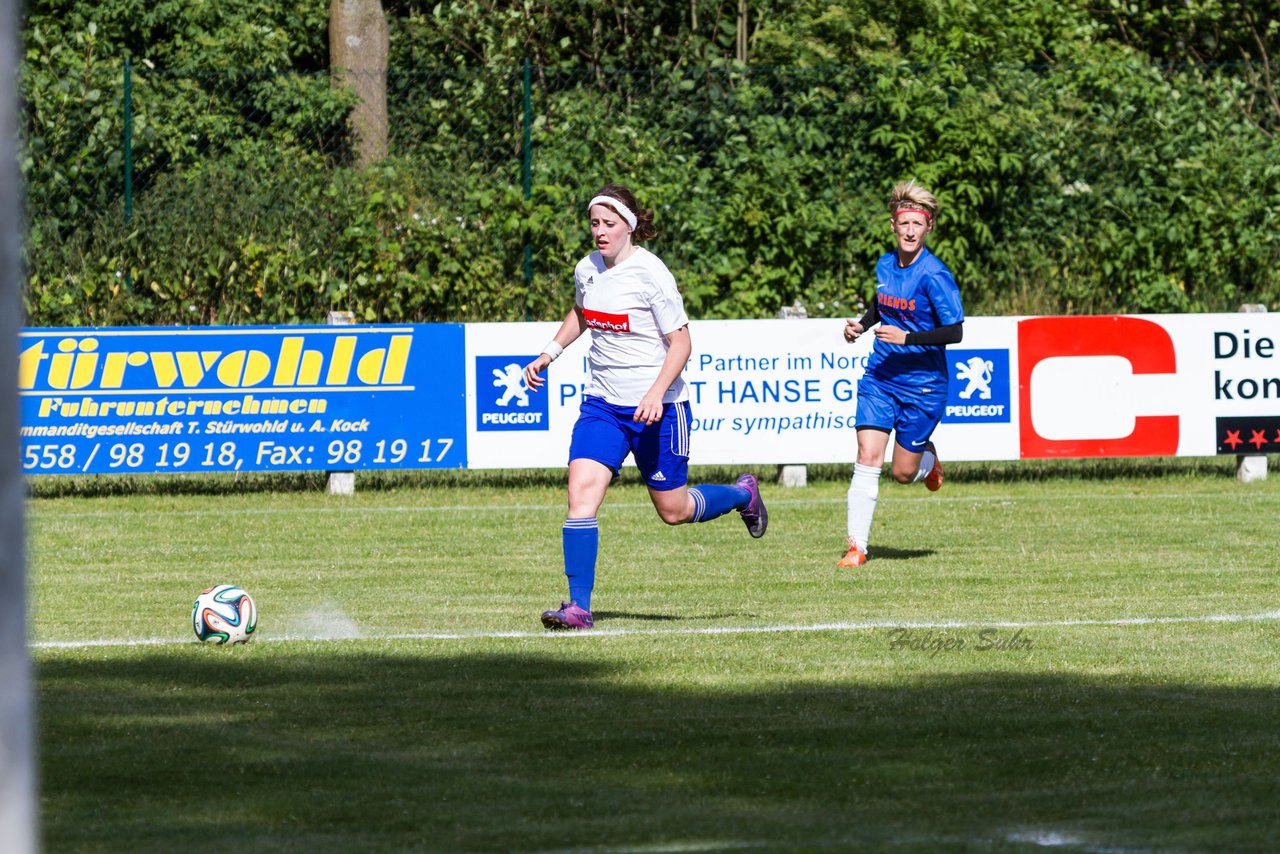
[913, 415]
[606, 433]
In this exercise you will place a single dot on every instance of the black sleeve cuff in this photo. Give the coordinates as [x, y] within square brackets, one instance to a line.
[949, 334]
[872, 317]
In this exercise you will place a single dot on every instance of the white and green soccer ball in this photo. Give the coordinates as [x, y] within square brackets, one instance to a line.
[224, 614]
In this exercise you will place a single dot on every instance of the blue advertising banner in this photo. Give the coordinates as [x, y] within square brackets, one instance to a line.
[244, 398]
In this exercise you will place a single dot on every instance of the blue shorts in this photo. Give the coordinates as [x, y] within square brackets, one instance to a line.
[914, 416]
[605, 433]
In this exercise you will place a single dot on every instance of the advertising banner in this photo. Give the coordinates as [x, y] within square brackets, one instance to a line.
[1120, 386]
[784, 391]
[762, 391]
[208, 399]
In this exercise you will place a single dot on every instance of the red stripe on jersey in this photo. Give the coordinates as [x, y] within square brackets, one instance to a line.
[607, 322]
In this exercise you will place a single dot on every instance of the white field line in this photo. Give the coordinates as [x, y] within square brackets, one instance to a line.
[557, 504]
[1037, 838]
[782, 628]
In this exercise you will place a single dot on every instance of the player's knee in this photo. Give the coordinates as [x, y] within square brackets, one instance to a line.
[672, 517]
[902, 476]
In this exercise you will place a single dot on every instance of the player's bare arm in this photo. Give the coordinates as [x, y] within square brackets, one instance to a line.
[570, 330]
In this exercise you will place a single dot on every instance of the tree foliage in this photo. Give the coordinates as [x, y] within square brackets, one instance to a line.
[1098, 156]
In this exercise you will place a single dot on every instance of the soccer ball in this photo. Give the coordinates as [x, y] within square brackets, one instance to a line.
[224, 614]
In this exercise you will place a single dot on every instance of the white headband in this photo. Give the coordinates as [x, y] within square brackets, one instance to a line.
[614, 204]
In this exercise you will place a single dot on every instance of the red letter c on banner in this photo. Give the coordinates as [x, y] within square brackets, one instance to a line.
[1147, 347]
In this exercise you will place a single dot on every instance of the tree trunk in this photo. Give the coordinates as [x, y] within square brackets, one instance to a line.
[742, 31]
[358, 45]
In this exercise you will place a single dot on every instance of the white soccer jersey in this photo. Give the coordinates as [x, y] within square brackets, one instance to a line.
[629, 310]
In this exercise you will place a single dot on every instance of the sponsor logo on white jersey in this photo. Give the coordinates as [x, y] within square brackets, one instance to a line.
[607, 322]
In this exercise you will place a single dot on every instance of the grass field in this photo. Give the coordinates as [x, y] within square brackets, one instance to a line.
[1026, 663]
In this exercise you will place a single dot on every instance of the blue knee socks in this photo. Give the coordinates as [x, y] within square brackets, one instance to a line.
[581, 539]
[711, 501]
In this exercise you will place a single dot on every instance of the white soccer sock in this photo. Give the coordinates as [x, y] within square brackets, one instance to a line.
[927, 459]
[864, 489]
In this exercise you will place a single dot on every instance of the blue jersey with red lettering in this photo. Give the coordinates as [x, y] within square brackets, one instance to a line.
[917, 298]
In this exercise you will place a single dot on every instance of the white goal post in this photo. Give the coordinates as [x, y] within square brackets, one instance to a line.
[17, 733]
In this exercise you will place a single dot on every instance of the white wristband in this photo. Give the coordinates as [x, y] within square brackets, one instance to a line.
[553, 349]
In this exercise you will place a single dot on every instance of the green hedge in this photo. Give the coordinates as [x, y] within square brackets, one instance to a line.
[1078, 172]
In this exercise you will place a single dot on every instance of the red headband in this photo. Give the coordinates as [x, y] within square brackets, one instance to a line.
[925, 214]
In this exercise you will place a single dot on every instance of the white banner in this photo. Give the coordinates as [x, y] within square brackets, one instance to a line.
[784, 391]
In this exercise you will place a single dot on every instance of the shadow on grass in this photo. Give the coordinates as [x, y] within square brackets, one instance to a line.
[890, 553]
[664, 618]
[300, 750]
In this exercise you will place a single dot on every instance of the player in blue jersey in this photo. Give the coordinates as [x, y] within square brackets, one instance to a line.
[916, 314]
[636, 401]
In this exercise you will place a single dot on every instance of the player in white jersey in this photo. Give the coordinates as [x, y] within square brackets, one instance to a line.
[636, 401]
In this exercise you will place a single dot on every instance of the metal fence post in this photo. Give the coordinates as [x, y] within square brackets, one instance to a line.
[128, 160]
[341, 482]
[1251, 468]
[793, 475]
[527, 176]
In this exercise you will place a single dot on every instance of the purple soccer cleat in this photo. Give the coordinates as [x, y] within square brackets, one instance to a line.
[754, 514]
[569, 616]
